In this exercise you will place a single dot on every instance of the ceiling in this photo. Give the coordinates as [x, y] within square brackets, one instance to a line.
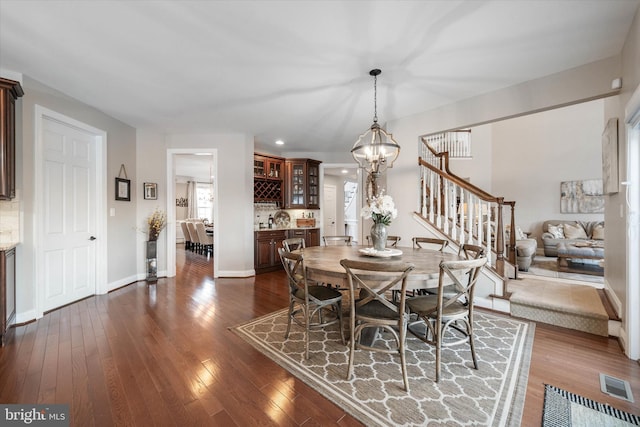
[297, 71]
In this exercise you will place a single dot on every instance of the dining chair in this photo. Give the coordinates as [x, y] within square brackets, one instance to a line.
[185, 233]
[469, 251]
[428, 242]
[440, 314]
[310, 306]
[205, 239]
[466, 251]
[293, 243]
[195, 242]
[336, 240]
[392, 241]
[371, 308]
[425, 243]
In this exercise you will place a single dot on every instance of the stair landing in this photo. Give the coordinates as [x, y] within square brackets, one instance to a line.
[561, 303]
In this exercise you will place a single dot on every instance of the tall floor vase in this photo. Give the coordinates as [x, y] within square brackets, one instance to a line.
[152, 261]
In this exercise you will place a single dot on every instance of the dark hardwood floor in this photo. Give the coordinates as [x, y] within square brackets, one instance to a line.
[163, 355]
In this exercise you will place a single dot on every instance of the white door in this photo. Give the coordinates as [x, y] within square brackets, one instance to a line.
[329, 211]
[68, 251]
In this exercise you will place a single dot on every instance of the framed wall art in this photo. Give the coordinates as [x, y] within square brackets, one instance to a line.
[581, 196]
[150, 191]
[610, 157]
[123, 189]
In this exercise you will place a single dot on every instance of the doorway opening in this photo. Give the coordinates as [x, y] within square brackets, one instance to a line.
[342, 203]
[192, 183]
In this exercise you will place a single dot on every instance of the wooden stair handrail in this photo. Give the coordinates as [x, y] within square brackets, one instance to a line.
[445, 173]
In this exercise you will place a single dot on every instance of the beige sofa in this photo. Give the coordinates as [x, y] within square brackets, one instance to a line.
[564, 231]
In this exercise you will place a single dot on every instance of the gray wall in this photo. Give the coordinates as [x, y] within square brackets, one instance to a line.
[121, 149]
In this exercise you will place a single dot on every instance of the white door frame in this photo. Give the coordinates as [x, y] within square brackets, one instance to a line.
[171, 207]
[632, 189]
[100, 138]
[348, 166]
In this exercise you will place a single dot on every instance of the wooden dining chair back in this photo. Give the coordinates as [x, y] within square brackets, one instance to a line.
[293, 243]
[429, 242]
[446, 319]
[185, 233]
[194, 235]
[392, 241]
[371, 308]
[206, 240]
[336, 240]
[311, 306]
[469, 251]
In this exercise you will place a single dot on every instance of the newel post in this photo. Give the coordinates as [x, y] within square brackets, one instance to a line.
[500, 238]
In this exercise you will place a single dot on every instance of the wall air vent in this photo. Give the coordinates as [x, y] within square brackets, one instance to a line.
[615, 387]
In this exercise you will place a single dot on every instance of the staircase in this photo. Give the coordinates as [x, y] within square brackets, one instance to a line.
[456, 210]
[451, 208]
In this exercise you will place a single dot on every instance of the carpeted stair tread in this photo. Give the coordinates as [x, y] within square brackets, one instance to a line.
[571, 306]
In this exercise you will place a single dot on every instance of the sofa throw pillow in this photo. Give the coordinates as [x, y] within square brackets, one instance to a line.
[574, 232]
[520, 234]
[556, 231]
[598, 232]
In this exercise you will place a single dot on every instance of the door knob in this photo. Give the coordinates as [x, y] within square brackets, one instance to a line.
[92, 238]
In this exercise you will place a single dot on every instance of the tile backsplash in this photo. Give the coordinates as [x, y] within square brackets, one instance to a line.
[9, 222]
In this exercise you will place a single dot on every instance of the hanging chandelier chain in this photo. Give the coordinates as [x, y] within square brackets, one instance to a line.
[375, 98]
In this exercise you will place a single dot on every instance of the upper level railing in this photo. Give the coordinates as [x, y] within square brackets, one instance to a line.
[456, 142]
[462, 211]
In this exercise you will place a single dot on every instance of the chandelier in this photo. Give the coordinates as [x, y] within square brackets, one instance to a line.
[375, 150]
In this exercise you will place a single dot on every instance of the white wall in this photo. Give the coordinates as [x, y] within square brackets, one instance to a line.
[579, 84]
[533, 154]
[234, 175]
[615, 251]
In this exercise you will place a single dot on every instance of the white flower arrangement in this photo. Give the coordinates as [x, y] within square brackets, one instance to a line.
[380, 209]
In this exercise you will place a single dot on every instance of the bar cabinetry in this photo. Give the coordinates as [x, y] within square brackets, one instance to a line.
[311, 236]
[302, 189]
[7, 293]
[266, 256]
[10, 91]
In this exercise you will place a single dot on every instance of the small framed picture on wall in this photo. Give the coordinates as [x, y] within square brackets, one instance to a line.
[123, 189]
[150, 191]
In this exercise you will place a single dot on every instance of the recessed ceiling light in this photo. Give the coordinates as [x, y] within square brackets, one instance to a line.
[344, 171]
[279, 142]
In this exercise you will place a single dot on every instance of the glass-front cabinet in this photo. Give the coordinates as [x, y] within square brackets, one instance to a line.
[268, 179]
[313, 172]
[303, 184]
[266, 167]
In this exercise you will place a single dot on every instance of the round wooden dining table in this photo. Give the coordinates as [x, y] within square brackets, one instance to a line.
[323, 263]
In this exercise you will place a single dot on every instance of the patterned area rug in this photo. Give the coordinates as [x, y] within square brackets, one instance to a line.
[493, 395]
[565, 409]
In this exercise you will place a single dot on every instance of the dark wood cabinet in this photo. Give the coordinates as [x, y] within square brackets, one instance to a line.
[10, 91]
[311, 236]
[266, 256]
[302, 189]
[7, 293]
[268, 179]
